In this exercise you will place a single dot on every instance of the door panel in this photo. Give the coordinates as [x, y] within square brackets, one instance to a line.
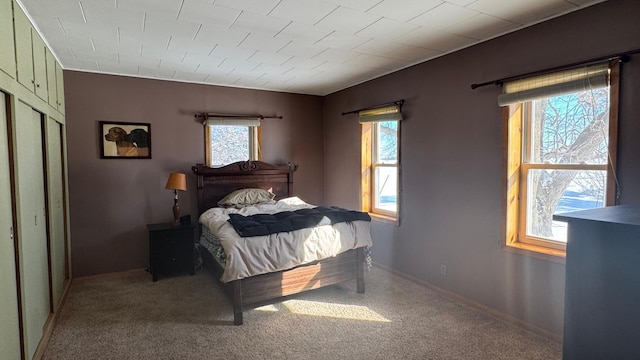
[9, 320]
[39, 65]
[24, 50]
[32, 241]
[7, 48]
[56, 210]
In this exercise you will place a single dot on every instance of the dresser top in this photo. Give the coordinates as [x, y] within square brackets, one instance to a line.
[620, 214]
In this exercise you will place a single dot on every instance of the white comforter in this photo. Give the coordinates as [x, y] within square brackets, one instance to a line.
[248, 256]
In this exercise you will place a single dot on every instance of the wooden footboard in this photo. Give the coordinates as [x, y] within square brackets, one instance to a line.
[259, 290]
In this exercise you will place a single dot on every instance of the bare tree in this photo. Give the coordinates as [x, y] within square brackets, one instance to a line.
[569, 129]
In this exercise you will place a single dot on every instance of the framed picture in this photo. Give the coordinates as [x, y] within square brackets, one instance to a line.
[120, 140]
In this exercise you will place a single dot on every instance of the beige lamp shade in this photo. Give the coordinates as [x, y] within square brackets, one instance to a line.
[177, 181]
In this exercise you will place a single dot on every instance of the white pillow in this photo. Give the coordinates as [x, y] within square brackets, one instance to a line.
[246, 197]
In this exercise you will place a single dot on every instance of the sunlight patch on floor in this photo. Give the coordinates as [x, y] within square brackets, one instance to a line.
[341, 311]
[268, 308]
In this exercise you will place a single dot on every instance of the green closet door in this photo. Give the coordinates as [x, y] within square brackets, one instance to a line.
[9, 321]
[32, 237]
[59, 273]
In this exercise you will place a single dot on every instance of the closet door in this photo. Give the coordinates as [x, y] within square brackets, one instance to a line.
[9, 320]
[32, 240]
[55, 176]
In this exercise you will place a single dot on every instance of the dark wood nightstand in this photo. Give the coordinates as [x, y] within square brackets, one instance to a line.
[171, 248]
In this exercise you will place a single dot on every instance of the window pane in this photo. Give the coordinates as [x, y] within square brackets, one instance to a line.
[386, 185]
[570, 129]
[558, 191]
[229, 144]
[387, 142]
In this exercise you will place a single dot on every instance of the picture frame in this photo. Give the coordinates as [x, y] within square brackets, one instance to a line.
[125, 140]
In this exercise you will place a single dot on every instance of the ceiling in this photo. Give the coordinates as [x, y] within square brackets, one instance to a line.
[302, 46]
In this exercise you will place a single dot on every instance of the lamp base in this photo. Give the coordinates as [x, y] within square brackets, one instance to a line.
[176, 213]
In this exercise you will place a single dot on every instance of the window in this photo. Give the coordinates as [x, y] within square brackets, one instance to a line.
[561, 141]
[380, 160]
[228, 141]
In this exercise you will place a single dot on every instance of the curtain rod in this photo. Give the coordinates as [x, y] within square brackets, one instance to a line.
[397, 102]
[205, 116]
[624, 57]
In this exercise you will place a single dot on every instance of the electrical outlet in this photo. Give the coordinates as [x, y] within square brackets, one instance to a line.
[443, 269]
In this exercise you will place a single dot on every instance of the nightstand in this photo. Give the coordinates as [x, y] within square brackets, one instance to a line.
[171, 248]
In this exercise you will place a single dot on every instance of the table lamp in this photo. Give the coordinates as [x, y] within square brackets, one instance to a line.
[176, 181]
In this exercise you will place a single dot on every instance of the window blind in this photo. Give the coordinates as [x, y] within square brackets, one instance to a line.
[385, 113]
[553, 84]
[223, 121]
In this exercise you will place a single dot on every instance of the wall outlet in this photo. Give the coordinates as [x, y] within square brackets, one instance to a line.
[443, 269]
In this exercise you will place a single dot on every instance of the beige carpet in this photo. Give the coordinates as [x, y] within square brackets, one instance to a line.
[127, 316]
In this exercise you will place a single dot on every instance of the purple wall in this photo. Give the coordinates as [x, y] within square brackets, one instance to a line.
[452, 159]
[112, 200]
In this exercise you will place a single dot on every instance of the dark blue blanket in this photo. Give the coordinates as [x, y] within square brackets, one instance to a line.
[265, 224]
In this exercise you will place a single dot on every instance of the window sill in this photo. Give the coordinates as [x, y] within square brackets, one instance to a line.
[540, 252]
[384, 219]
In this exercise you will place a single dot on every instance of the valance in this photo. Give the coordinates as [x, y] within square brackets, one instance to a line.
[554, 84]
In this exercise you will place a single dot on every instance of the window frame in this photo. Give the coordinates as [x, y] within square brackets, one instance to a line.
[516, 173]
[368, 184]
[254, 143]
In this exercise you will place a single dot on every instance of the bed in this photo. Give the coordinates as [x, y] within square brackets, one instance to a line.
[251, 291]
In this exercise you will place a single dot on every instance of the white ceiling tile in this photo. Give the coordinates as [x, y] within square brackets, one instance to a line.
[262, 42]
[272, 69]
[304, 11]
[165, 23]
[304, 63]
[64, 10]
[403, 10]
[193, 46]
[243, 66]
[302, 32]
[296, 48]
[262, 7]
[106, 15]
[146, 5]
[522, 11]
[443, 16]
[482, 27]
[336, 55]
[356, 20]
[360, 5]
[396, 50]
[372, 62]
[202, 11]
[341, 40]
[221, 35]
[268, 57]
[461, 2]
[386, 28]
[435, 40]
[232, 52]
[265, 25]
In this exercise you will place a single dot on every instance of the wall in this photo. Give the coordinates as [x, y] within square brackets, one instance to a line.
[452, 160]
[112, 200]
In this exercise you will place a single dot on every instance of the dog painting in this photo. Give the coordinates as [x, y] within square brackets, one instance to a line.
[125, 140]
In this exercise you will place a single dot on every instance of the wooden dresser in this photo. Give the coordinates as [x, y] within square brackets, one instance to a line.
[602, 289]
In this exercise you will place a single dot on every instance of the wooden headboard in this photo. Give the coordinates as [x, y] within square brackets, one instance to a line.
[216, 183]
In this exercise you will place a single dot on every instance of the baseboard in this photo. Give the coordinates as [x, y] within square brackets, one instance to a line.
[50, 324]
[453, 296]
[107, 275]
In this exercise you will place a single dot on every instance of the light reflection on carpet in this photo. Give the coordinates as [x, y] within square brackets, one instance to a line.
[340, 311]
